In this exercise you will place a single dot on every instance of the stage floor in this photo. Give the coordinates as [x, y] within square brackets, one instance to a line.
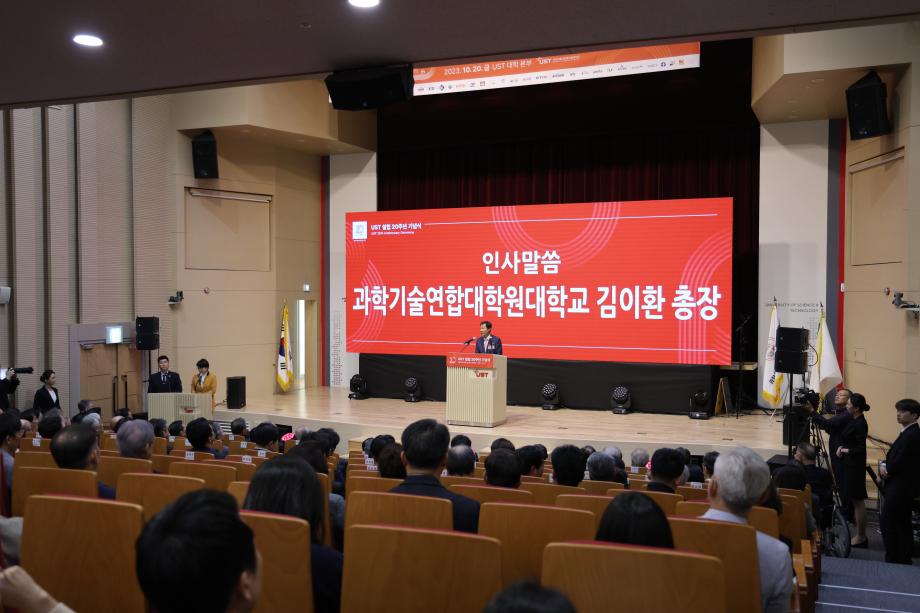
[330, 407]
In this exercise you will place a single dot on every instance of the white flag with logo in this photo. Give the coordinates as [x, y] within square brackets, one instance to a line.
[772, 390]
[825, 374]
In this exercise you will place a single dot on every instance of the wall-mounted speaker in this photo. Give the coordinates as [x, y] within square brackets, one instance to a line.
[370, 88]
[147, 333]
[204, 155]
[867, 108]
[236, 392]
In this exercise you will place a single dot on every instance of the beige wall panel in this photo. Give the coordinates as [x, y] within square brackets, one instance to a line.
[239, 318]
[880, 338]
[98, 386]
[299, 171]
[242, 160]
[298, 263]
[226, 234]
[5, 246]
[882, 388]
[298, 214]
[881, 45]
[255, 362]
[878, 198]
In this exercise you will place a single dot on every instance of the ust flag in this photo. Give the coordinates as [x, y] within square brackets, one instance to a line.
[772, 390]
[285, 373]
[825, 374]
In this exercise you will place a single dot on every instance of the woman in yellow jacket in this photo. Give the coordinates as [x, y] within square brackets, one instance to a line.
[204, 381]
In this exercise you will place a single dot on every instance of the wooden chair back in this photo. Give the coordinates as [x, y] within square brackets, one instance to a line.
[153, 492]
[530, 479]
[160, 445]
[108, 442]
[524, 531]
[326, 483]
[105, 453]
[636, 471]
[448, 480]
[694, 493]
[244, 472]
[803, 496]
[670, 580]
[792, 522]
[246, 459]
[238, 489]
[493, 494]
[368, 484]
[179, 442]
[426, 571]
[187, 455]
[596, 505]
[638, 485]
[30, 481]
[667, 502]
[35, 444]
[735, 545]
[545, 493]
[398, 510]
[109, 469]
[251, 450]
[215, 477]
[284, 543]
[62, 550]
[40, 459]
[760, 518]
[237, 446]
[600, 488]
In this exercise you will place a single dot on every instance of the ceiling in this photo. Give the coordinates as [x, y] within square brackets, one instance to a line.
[173, 45]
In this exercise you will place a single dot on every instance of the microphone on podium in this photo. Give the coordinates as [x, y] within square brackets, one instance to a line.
[469, 340]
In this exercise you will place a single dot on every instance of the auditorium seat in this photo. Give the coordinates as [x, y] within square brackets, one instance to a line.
[761, 518]
[108, 443]
[109, 469]
[161, 463]
[667, 502]
[180, 442]
[244, 472]
[448, 480]
[82, 551]
[694, 493]
[600, 488]
[238, 489]
[545, 493]
[638, 485]
[159, 445]
[187, 455]
[326, 484]
[108, 453]
[596, 505]
[35, 444]
[792, 522]
[418, 571]
[369, 484]
[735, 545]
[236, 446]
[284, 543]
[479, 473]
[529, 479]
[245, 459]
[524, 530]
[29, 481]
[639, 579]
[398, 510]
[154, 492]
[41, 459]
[215, 477]
[485, 493]
[635, 471]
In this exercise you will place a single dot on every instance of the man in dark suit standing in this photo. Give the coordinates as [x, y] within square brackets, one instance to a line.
[486, 343]
[425, 443]
[7, 387]
[901, 472]
[164, 381]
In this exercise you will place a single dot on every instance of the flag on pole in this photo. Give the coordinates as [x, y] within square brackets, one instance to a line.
[285, 373]
[772, 390]
[825, 374]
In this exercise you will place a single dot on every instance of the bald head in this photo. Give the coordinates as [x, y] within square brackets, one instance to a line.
[75, 447]
[135, 439]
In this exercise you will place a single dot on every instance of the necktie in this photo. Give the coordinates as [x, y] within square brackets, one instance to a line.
[164, 377]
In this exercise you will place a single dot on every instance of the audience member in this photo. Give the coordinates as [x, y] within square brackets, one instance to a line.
[10, 434]
[503, 469]
[425, 443]
[461, 461]
[543, 450]
[366, 446]
[289, 486]
[635, 519]
[115, 422]
[135, 439]
[51, 424]
[199, 541]
[502, 443]
[820, 480]
[532, 460]
[614, 452]
[529, 597]
[792, 477]
[461, 439]
[620, 476]
[588, 450]
[380, 441]
[19, 591]
[568, 465]
[238, 427]
[159, 428]
[93, 420]
[601, 467]
[177, 428]
[265, 436]
[334, 439]
[667, 470]
[739, 481]
[75, 447]
[201, 438]
[709, 463]
[31, 416]
[215, 429]
[390, 464]
[638, 458]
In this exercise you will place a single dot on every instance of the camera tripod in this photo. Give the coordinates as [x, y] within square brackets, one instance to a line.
[837, 530]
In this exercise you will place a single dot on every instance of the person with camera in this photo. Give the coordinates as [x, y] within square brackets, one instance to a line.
[901, 472]
[7, 387]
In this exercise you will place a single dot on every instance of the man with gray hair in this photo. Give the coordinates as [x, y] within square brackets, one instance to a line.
[740, 481]
[601, 466]
[135, 439]
[638, 457]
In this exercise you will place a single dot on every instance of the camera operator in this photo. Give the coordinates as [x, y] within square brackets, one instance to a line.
[7, 387]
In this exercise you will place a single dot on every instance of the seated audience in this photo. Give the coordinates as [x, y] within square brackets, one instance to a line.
[10, 434]
[620, 476]
[792, 477]
[380, 441]
[543, 450]
[93, 420]
[238, 427]
[709, 462]
[694, 472]
[638, 458]
[177, 428]
[215, 428]
[265, 436]
[614, 452]
[312, 452]
[116, 422]
[366, 446]
[389, 462]
[588, 450]
[135, 440]
[635, 519]
[288, 486]
[568, 465]
[738, 483]
[51, 423]
[532, 460]
[461, 461]
[75, 447]
[461, 439]
[601, 467]
[820, 480]
[201, 438]
[199, 540]
[503, 469]
[502, 443]
[425, 443]
[334, 439]
[667, 471]
[159, 428]
[529, 597]
[31, 416]
[84, 407]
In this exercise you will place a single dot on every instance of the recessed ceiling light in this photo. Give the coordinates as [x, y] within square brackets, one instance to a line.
[87, 40]
[364, 4]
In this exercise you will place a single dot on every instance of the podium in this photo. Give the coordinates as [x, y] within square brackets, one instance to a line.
[477, 389]
[184, 407]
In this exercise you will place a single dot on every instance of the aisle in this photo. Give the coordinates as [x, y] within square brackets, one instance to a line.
[851, 585]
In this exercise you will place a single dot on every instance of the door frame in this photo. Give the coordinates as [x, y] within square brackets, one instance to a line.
[90, 334]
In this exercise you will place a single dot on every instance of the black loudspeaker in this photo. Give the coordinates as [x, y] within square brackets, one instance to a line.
[357, 90]
[791, 339]
[867, 109]
[204, 155]
[791, 362]
[795, 428]
[236, 392]
[147, 333]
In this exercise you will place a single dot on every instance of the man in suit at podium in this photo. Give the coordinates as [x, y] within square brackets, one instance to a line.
[164, 381]
[487, 343]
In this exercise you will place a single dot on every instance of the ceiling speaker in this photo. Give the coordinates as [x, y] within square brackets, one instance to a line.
[371, 88]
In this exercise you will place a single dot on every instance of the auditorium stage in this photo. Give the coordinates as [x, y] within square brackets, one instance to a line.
[330, 407]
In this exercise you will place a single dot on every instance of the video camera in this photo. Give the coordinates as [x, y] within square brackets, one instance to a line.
[803, 396]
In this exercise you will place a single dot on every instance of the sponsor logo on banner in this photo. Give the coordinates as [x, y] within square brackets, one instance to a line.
[359, 230]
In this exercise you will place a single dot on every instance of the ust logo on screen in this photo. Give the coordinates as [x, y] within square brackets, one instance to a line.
[359, 231]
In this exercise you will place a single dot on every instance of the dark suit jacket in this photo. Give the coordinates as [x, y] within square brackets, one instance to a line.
[903, 464]
[173, 384]
[42, 401]
[853, 438]
[655, 486]
[495, 345]
[7, 387]
[821, 483]
[466, 510]
[106, 492]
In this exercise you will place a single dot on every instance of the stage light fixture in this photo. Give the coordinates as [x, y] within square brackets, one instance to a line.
[550, 393]
[358, 387]
[413, 390]
[620, 400]
[699, 405]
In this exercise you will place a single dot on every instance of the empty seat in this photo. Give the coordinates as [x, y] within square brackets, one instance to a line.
[398, 510]
[524, 530]
[284, 543]
[493, 494]
[108, 443]
[29, 481]
[215, 477]
[600, 488]
[667, 502]
[368, 484]
[154, 492]
[109, 469]
[35, 444]
[545, 493]
[593, 504]
[238, 489]
[792, 522]
[424, 571]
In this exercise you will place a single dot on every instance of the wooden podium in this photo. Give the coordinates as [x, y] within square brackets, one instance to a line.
[184, 407]
[477, 389]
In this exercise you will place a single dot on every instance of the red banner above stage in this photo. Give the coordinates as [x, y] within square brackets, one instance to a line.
[642, 281]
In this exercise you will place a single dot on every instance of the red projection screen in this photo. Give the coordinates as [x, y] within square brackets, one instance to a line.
[646, 281]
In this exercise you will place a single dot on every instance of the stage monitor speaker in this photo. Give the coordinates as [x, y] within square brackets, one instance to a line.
[204, 155]
[371, 88]
[867, 108]
[236, 392]
[791, 339]
[795, 428]
[791, 362]
[147, 333]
